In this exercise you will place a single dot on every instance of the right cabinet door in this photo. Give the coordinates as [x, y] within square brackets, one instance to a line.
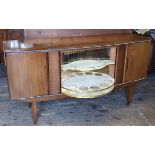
[136, 61]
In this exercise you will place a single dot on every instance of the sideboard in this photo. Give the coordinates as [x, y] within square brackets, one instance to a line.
[34, 74]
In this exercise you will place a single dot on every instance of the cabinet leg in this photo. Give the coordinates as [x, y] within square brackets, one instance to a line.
[34, 111]
[129, 94]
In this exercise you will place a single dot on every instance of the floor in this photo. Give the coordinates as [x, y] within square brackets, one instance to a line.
[109, 110]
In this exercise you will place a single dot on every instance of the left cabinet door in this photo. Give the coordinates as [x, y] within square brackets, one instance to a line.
[27, 74]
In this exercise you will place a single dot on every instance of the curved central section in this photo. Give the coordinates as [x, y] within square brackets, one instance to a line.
[85, 73]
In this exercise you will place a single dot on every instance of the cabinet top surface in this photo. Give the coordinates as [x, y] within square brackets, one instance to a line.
[83, 41]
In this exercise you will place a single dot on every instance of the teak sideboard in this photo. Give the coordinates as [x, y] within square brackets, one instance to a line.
[34, 75]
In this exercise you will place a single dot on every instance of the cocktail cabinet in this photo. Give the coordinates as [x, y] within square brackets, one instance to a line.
[35, 74]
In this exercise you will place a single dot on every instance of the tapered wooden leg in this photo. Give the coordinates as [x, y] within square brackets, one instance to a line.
[129, 94]
[34, 111]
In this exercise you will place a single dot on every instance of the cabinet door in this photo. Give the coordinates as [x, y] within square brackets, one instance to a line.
[136, 61]
[27, 74]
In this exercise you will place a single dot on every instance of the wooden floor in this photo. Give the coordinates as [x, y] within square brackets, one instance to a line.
[104, 111]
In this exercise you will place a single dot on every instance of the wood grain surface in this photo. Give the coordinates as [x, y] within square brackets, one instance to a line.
[27, 74]
[115, 39]
[54, 72]
[136, 61]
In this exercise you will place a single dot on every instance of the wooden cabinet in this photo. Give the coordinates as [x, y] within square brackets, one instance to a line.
[136, 61]
[27, 74]
[35, 75]
[38, 73]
